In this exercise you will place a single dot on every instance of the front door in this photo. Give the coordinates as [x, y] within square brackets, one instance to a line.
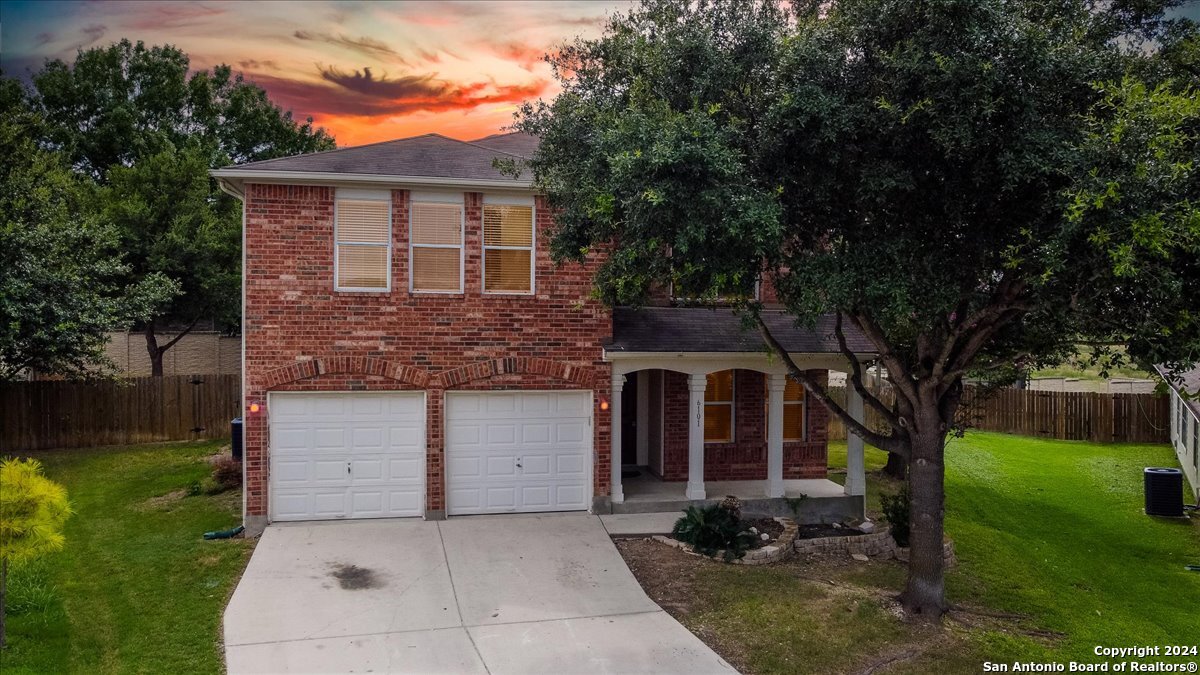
[629, 417]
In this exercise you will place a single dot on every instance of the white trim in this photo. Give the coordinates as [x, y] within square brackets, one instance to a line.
[508, 200]
[301, 177]
[439, 198]
[359, 194]
[338, 197]
[484, 248]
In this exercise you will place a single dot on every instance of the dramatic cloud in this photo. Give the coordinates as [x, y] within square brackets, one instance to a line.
[386, 69]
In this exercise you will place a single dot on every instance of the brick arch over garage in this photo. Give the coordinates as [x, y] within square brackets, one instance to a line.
[345, 365]
[512, 365]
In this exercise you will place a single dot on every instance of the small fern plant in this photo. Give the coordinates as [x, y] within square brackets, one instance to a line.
[33, 509]
[712, 528]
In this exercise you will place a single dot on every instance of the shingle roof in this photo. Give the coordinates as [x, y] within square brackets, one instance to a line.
[1188, 381]
[700, 329]
[515, 143]
[430, 155]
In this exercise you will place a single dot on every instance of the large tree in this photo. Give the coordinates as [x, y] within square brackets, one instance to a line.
[141, 123]
[62, 280]
[972, 185]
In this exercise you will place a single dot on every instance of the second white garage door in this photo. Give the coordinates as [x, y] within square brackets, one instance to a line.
[517, 451]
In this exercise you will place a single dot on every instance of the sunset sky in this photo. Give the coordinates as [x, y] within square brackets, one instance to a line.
[367, 71]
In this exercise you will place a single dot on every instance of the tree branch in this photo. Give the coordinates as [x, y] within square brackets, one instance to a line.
[185, 331]
[856, 377]
[897, 372]
[892, 444]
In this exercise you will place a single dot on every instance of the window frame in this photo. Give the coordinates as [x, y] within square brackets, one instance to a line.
[803, 403]
[504, 200]
[457, 199]
[352, 195]
[731, 403]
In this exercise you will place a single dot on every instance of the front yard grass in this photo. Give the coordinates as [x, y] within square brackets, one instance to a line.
[136, 589]
[1055, 558]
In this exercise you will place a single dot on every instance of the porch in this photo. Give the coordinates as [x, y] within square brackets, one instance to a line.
[692, 393]
[810, 500]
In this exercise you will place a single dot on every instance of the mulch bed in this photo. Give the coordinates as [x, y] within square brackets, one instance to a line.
[820, 531]
[767, 525]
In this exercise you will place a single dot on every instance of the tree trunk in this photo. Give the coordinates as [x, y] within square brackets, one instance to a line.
[155, 352]
[925, 593]
[896, 467]
[3, 592]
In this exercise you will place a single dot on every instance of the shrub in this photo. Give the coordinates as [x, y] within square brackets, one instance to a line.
[227, 474]
[709, 529]
[896, 509]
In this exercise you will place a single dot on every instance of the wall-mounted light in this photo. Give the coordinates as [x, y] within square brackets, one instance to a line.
[253, 407]
[604, 403]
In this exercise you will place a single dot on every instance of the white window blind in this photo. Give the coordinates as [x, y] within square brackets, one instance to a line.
[436, 247]
[507, 248]
[364, 244]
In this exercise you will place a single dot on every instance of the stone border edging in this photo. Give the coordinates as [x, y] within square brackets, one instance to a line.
[873, 545]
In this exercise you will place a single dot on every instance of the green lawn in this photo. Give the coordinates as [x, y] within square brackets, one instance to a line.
[1056, 557]
[136, 589]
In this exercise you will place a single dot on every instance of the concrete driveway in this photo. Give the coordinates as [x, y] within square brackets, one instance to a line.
[485, 594]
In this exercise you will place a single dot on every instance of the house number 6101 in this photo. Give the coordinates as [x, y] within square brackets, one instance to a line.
[699, 413]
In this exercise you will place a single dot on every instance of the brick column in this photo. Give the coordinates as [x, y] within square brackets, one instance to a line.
[435, 455]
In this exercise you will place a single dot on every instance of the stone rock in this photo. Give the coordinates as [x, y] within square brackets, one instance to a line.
[867, 527]
[837, 526]
[754, 530]
[764, 536]
[860, 557]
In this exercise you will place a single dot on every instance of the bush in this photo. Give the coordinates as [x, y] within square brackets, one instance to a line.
[227, 474]
[896, 509]
[709, 529]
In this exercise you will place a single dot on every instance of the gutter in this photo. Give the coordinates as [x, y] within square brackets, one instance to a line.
[266, 176]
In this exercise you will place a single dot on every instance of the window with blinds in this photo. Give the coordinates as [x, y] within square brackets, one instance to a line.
[364, 244]
[793, 411]
[718, 407]
[507, 248]
[436, 247]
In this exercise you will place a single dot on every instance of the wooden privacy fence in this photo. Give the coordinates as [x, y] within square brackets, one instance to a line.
[52, 414]
[1063, 415]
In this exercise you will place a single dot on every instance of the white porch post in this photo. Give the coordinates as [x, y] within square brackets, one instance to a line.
[695, 484]
[776, 382]
[614, 425]
[856, 475]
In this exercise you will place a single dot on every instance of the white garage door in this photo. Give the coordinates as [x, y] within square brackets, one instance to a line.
[336, 455]
[517, 451]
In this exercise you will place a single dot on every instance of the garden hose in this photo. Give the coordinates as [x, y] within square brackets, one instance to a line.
[224, 534]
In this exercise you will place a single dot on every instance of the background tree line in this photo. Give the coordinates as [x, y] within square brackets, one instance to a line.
[108, 218]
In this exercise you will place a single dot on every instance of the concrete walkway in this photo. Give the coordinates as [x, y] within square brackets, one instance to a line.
[486, 594]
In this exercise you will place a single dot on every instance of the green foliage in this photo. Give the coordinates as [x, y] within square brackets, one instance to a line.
[227, 473]
[140, 123]
[896, 509]
[61, 283]
[713, 528]
[33, 510]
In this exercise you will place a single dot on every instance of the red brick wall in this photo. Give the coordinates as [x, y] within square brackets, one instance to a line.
[301, 334]
[746, 457]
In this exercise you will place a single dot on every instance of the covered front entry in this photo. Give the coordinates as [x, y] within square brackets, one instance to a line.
[347, 455]
[518, 451]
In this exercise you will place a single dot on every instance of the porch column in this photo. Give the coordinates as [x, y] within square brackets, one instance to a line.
[617, 495]
[856, 475]
[695, 484]
[776, 382]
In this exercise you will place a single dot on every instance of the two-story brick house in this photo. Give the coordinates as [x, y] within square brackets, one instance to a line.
[409, 349]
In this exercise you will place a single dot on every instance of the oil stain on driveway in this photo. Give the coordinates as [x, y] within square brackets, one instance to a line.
[485, 594]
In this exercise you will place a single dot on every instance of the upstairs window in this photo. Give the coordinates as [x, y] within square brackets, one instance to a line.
[436, 247]
[718, 407]
[793, 411]
[363, 241]
[507, 248]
